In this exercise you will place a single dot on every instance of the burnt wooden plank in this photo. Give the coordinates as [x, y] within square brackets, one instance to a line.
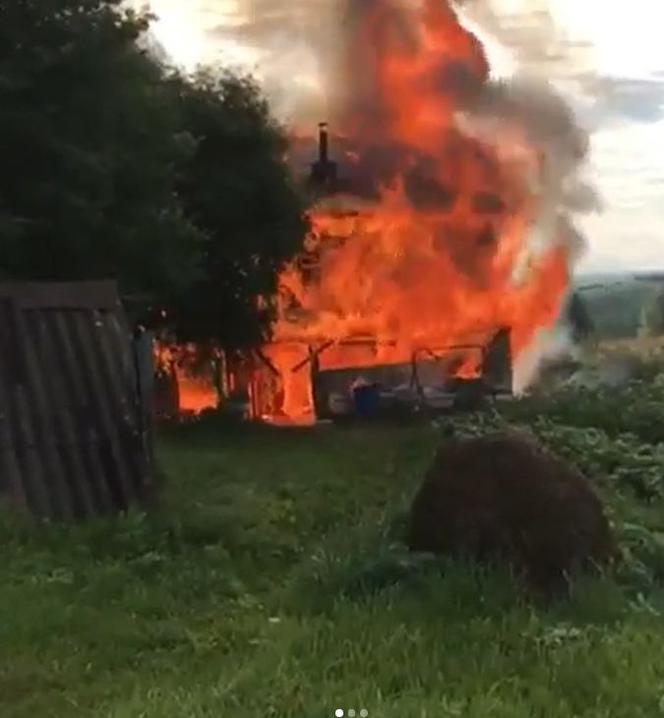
[313, 354]
[144, 357]
[116, 362]
[142, 349]
[267, 362]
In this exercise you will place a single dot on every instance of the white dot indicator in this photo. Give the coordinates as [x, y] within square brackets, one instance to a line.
[339, 712]
[364, 713]
[351, 713]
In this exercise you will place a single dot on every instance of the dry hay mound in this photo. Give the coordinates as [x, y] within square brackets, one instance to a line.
[504, 496]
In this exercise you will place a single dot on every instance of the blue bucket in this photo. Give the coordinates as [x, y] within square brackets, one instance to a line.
[366, 400]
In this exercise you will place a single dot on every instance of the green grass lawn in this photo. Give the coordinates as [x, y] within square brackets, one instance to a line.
[272, 582]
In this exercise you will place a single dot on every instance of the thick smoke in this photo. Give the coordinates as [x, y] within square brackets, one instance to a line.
[296, 43]
[315, 68]
[303, 48]
[532, 36]
[529, 112]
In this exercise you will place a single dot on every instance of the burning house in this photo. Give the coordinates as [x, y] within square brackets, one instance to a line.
[307, 377]
[441, 242]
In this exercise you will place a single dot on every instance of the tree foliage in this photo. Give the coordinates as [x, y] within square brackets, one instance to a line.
[114, 166]
[237, 190]
[579, 318]
[87, 144]
[652, 316]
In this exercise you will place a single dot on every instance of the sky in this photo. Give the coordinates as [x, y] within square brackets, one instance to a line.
[604, 56]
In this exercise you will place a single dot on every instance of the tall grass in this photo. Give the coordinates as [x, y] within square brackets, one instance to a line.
[272, 581]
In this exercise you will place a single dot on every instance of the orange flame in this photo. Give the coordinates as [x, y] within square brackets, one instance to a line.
[432, 245]
[440, 252]
[195, 392]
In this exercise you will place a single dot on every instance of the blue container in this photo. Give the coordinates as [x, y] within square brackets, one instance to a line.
[366, 400]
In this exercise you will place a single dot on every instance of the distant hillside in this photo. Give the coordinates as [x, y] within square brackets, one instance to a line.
[615, 301]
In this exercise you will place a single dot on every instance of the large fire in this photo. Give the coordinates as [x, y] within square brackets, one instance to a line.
[439, 246]
[451, 222]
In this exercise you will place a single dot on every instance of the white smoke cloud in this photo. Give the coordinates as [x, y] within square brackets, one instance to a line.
[547, 345]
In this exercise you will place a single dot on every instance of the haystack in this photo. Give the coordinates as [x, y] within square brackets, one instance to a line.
[502, 496]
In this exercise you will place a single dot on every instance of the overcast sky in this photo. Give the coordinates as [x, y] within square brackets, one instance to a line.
[605, 56]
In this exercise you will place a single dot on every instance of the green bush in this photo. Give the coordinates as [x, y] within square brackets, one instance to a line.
[636, 409]
[620, 463]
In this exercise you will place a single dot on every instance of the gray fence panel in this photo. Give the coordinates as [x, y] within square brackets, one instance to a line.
[73, 435]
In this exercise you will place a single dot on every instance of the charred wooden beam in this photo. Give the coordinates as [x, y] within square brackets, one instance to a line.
[267, 362]
[313, 354]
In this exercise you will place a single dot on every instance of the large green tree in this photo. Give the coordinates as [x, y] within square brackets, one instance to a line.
[88, 143]
[113, 166]
[237, 190]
